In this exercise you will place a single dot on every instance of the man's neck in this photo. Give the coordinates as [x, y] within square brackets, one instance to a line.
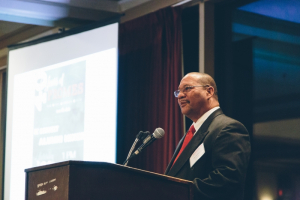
[203, 111]
[201, 120]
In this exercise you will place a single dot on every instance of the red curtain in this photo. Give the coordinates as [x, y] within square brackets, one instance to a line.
[149, 73]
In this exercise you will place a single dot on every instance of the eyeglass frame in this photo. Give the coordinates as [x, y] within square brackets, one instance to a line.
[176, 92]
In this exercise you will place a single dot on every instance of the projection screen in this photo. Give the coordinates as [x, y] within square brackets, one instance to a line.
[61, 103]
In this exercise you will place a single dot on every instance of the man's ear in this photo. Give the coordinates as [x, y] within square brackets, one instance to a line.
[210, 92]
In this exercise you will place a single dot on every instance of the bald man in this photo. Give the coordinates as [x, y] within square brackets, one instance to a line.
[215, 152]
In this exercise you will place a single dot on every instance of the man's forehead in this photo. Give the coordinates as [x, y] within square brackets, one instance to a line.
[191, 77]
[187, 81]
[183, 86]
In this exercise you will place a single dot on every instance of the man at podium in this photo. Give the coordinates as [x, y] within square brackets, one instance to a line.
[215, 152]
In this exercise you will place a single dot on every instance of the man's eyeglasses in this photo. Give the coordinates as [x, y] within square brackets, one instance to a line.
[187, 89]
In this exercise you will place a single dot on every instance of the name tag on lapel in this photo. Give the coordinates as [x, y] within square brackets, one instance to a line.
[198, 153]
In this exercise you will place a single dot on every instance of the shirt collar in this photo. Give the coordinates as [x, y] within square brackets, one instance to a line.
[200, 121]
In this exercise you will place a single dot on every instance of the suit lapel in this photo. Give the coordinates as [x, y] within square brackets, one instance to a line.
[191, 147]
[175, 154]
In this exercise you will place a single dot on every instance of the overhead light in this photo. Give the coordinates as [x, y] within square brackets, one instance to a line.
[180, 3]
[266, 197]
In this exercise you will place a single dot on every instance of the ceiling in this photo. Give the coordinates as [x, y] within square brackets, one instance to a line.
[63, 12]
[24, 19]
[287, 10]
[21, 20]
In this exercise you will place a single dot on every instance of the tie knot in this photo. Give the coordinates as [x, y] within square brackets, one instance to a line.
[192, 129]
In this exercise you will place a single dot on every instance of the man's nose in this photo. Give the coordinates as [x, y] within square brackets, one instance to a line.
[181, 95]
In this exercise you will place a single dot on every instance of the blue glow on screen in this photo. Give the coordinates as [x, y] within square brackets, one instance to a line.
[280, 9]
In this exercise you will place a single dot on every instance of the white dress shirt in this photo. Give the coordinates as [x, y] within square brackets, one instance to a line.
[200, 121]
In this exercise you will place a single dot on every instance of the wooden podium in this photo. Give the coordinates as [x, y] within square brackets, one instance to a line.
[80, 180]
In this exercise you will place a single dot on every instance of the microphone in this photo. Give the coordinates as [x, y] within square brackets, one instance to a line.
[140, 136]
[158, 133]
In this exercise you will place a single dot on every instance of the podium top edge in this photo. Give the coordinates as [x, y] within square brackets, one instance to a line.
[69, 162]
[106, 164]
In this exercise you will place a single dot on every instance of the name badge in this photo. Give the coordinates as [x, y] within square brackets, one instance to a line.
[198, 153]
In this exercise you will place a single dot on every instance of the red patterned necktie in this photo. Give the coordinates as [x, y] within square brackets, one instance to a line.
[187, 139]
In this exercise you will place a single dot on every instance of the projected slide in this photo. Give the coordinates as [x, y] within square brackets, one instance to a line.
[59, 114]
[54, 114]
[62, 104]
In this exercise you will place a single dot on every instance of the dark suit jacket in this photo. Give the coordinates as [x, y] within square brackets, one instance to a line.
[220, 172]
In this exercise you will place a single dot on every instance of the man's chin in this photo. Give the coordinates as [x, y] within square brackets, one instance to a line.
[184, 111]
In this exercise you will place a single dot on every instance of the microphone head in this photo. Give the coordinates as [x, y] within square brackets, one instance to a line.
[159, 133]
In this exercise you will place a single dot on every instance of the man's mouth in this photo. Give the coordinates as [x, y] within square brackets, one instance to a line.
[183, 103]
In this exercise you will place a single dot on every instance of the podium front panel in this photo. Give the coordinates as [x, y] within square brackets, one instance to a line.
[111, 184]
[48, 184]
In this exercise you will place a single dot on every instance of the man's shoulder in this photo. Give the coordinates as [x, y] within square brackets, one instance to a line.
[226, 121]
